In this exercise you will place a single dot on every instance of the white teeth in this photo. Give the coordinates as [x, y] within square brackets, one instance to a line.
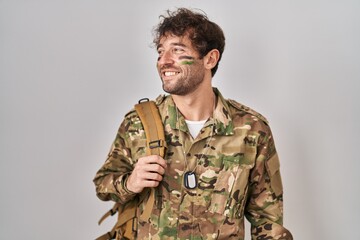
[167, 74]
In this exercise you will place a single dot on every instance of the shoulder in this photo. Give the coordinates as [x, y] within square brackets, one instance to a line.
[239, 108]
[160, 99]
[132, 115]
[243, 115]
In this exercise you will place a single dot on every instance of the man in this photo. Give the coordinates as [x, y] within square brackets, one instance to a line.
[220, 163]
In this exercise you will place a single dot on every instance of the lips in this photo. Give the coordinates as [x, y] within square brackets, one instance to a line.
[169, 73]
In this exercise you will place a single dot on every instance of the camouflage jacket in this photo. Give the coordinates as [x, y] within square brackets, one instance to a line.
[237, 173]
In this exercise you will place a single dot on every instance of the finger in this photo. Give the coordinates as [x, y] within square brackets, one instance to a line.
[141, 169]
[153, 167]
[156, 159]
[153, 159]
[148, 172]
[153, 177]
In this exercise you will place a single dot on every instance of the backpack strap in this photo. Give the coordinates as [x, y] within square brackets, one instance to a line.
[127, 217]
[111, 212]
[155, 140]
[153, 126]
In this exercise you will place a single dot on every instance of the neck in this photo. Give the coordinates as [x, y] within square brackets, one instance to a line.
[196, 106]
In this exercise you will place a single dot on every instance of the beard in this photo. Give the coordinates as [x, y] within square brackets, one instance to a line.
[188, 80]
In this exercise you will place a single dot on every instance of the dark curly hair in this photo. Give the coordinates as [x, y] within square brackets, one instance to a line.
[203, 34]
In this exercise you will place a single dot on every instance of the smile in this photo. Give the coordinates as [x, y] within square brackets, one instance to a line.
[168, 74]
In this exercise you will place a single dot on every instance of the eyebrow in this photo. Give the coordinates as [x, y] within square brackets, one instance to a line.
[173, 44]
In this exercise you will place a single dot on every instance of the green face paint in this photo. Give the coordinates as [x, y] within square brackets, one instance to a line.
[187, 62]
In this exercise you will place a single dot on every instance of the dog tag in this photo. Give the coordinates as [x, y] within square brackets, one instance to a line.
[190, 180]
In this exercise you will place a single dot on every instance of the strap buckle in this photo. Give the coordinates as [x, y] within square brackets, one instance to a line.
[155, 144]
[134, 225]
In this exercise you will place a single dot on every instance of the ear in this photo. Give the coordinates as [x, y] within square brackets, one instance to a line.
[211, 59]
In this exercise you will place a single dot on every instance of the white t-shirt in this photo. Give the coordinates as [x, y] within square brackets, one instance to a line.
[195, 127]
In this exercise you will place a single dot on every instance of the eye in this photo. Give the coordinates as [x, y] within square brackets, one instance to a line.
[178, 50]
[160, 51]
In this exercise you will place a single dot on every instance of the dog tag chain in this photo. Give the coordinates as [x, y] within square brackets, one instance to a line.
[190, 179]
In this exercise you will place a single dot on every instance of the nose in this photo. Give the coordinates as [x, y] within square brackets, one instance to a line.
[165, 58]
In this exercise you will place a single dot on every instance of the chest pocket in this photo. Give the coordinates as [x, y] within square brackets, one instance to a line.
[230, 190]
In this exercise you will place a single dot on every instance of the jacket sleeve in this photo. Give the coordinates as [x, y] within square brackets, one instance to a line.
[110, 180]
[264, 208]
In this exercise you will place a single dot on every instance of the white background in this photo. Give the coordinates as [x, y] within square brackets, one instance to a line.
[71, 69]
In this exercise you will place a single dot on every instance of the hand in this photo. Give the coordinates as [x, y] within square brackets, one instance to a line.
[148, 172]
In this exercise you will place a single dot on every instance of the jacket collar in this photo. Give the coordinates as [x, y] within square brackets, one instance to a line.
[221, 122]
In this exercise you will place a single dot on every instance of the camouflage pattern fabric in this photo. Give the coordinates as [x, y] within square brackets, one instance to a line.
[238, 175]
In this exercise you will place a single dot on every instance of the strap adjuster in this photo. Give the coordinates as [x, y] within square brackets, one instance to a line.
[113, 211]
[134, 225]
[155, 144]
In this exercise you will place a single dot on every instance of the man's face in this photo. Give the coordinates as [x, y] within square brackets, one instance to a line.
[179, 66]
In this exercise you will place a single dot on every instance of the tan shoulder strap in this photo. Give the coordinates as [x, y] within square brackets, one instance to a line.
[155, 140]
[153, 126]
[111, 212]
